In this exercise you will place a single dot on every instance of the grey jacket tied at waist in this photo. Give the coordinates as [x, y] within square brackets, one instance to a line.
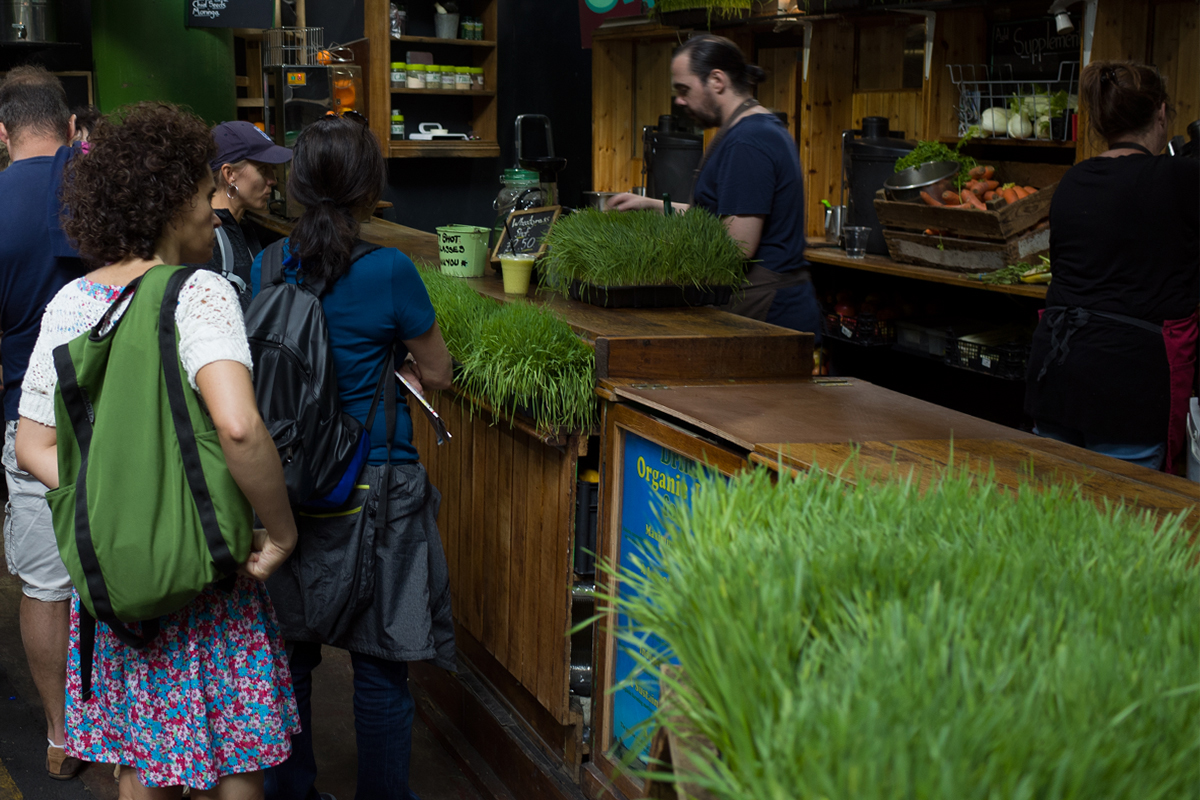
[386, 596]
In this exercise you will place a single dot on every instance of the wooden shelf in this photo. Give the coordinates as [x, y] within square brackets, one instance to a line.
[458, 149]
[435, 40]
[249, 102]
[817, 253]
[456, 92]
[992, 140]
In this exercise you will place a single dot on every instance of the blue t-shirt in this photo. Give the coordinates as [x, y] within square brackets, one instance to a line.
[379, 303]
[35, 261]
[755, 170]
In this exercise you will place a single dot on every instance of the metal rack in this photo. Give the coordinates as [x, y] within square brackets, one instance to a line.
[1048, 104]
[292, 46]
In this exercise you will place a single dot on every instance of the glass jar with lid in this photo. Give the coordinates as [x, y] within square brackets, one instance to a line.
[397, 125]
[519, 190]
[433, 76]
[416, 76]
[449, 78]
[462, 78]
[399, 75]
[477, 79]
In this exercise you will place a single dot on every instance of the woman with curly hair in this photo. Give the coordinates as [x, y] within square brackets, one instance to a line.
[208, 704]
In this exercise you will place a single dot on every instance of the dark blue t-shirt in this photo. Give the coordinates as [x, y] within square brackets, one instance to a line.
[380, 302]
[755, 170]
[35, 261]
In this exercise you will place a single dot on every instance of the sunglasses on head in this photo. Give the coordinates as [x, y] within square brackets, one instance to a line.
[351, 115]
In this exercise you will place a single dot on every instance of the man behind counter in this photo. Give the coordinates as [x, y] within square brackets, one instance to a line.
[749, 176]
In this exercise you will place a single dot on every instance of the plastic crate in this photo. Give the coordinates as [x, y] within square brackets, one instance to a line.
[922, 339]
[1007, 361]
[864, 329]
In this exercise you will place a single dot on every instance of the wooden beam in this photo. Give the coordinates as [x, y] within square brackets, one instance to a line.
[827, 99]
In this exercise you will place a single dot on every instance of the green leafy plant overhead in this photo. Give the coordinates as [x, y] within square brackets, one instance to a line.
[641, 248]
[722, 8]
[516, 357]
[937, 637]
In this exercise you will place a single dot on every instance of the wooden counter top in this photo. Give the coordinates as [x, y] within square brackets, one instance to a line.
[819, 251]
[669, 344]
[417, 245]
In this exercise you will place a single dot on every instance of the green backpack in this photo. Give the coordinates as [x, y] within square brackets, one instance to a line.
[146, 514]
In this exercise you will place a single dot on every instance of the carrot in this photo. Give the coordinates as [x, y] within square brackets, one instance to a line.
[930, 200]
[991, 186]
[1029, 190]
[989, 196]
[1010, 195]
[976, 172]
[1021, 193]
[974, 186]
[988, 172]
[969, 198]
[951, 198]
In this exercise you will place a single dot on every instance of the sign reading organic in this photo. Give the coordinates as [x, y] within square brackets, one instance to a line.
[653, 476]
[528, 230]
[230, 13]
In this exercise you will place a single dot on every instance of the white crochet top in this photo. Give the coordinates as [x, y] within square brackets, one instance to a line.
[210, 323]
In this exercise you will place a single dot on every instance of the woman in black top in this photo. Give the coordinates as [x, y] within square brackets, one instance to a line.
[244, 172]
[1114, 356]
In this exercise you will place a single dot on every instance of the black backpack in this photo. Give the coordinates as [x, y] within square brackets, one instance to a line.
[295, 386]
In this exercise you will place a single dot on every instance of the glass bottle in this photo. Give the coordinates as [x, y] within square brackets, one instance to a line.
[397, 125]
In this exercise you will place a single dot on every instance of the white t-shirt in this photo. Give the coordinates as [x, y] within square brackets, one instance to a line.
[210, 323]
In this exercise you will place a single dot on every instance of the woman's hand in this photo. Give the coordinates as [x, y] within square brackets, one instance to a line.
[412, 374]
[266, 555]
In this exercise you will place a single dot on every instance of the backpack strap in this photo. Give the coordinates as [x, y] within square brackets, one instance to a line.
[272, 264]
[227, 260]
[387, 388]
[169, 350]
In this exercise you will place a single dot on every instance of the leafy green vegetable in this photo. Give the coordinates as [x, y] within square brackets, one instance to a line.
[641, 248]
[934, 637]
[1013, 272]
[515, 356]
[927, 151]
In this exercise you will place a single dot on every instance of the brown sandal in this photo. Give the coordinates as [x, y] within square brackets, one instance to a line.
[60, 766]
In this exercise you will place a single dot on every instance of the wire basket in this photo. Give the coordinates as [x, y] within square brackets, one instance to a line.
[292, 47]
[1042, 108]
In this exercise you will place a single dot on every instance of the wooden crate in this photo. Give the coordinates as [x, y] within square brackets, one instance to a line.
[965, 254]
[1002, 223]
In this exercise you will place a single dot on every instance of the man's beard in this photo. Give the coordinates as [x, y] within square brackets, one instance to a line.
[704, 118]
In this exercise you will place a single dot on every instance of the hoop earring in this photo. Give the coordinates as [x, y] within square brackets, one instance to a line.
[229, 186]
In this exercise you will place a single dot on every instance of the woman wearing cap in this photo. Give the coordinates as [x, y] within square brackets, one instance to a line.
[1114, 355]
[244, 172]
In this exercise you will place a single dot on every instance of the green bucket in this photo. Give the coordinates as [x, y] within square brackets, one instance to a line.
[463, 250]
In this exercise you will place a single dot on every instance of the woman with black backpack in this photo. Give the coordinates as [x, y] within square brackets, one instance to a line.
[394, 606]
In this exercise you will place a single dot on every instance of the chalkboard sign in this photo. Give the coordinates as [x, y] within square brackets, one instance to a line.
[529, 229]
[1033, 48]
[230, 13]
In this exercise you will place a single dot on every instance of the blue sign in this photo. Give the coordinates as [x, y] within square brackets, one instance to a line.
[653, 476]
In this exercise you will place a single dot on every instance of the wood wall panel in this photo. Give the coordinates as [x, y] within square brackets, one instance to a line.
[881, 55]
[1175, 50]
[612, 114]
[960, 37]
[653, 94]
[902, 108]
[778, 89]
[827, 104]
[506, 524]
[1121, 35]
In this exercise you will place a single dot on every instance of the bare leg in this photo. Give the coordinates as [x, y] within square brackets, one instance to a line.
[44, 632]
[243, 786]
[131, 788]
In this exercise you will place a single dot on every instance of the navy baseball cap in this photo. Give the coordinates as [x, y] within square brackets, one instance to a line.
[240, 140]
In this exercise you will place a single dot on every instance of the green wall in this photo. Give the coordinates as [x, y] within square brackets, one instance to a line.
[143, 51]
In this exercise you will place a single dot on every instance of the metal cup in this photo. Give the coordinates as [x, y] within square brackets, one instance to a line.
[835, 216]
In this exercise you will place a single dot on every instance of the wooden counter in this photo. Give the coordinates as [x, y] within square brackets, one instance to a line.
[417, 245]
[819, 251]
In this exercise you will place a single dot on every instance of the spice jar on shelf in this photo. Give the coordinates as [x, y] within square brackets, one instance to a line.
[449, 78]
[477, 79]
[462, 79]
[399, 75]
[433, 76]
[416, 76]
[397, 125]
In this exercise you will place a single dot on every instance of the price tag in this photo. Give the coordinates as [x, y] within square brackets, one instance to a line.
[849, 334]
[528, 229]
[987, 362]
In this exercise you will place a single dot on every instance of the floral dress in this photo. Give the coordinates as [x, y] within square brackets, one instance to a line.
[212, 695]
